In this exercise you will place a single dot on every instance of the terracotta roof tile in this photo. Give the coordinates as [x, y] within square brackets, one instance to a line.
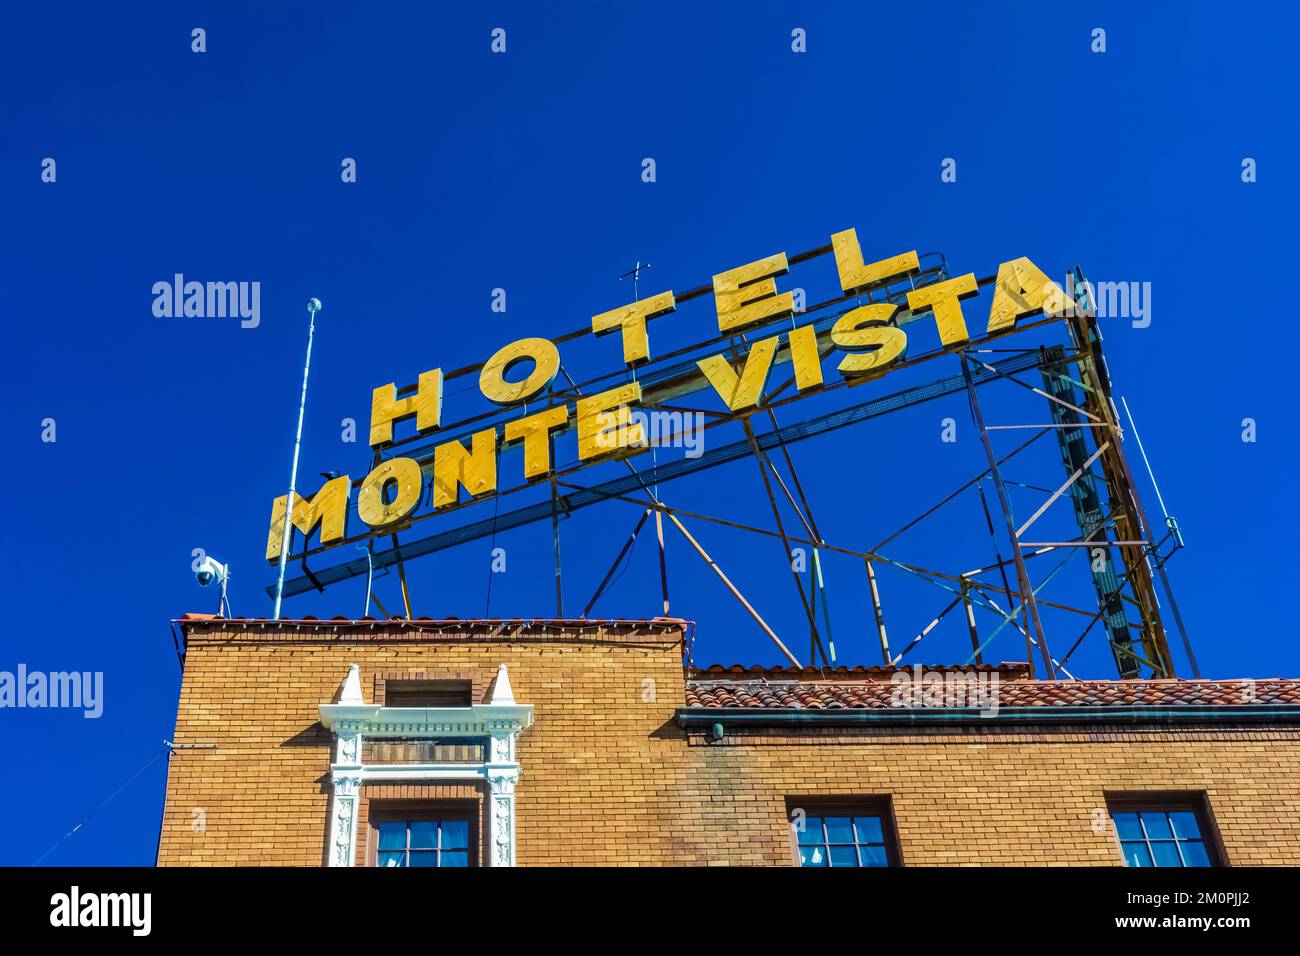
[871, 688]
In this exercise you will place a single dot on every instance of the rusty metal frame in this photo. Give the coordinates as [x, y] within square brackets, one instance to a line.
[1128, 522]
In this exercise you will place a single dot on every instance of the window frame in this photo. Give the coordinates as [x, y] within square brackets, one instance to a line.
[1195, 802]
[421, 811]
[395, 688]
[880, 806]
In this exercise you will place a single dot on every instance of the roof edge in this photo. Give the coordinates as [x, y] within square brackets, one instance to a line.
[217, 622]
[698, 717]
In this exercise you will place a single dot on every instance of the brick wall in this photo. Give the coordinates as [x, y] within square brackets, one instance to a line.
[608, 778]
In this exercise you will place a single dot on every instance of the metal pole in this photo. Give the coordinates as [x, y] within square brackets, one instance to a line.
[401, 576]
[809, 606]
[1026, 590]
[970, 621]
[555, 527]
[313, 306]
[1160, 565]
[370, 576]
[1002, 569]
[735, 591]
[617, 561]
[880, 616]
[635, 273]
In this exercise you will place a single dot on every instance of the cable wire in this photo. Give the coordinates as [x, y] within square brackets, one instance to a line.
[112, 796]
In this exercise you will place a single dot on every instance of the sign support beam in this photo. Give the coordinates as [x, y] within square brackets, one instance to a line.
[1026, 591]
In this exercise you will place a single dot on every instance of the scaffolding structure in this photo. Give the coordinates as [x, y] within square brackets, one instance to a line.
[1071, 382]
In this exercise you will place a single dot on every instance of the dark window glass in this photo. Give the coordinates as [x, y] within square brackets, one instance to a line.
[1194, 853]
[425, 841]
[1155, 836]
[841, 840]
[455, 834]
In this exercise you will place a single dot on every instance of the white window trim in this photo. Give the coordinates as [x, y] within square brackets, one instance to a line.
[500, 720]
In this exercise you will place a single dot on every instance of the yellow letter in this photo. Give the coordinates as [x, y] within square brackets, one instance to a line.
[747, 295]
[945, 299]
[746, 389]
[546, 363]
[476, 470]
[603, 422]
[1021, 289]
[425, 404]
[632, 319]
[854, 274]
[535, 431]
[405, 473]
[805, 357]
[866, 328]
[329, 508]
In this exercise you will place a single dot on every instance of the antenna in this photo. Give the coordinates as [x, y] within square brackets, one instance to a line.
[635, 273]
[313, 306]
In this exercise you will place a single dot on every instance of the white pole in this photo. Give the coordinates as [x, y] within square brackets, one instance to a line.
[1133, 425]
[313, 306]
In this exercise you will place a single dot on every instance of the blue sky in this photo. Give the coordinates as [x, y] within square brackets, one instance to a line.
[523, 171]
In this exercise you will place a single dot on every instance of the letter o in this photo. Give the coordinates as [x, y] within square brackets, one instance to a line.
[492, 380]
[370, 499]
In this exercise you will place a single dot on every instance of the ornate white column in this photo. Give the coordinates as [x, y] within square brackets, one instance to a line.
[502, 773]
[345, 771]
[501, 816]
[343, 819]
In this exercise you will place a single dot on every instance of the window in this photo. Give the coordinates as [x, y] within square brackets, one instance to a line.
[1163, 832]
[843, 834]
[428, 693]
[428, 838]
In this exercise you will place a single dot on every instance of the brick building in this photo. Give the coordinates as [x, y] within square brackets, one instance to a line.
[419, 742]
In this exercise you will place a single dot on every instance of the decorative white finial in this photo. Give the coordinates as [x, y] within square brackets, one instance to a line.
[350, 692]
[501, 690]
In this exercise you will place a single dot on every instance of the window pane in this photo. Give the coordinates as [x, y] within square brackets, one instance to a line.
[1194, 853]
[1166, 853]
[869, 830]
[455, 834]
[455, 858]
[811, 831]
[424, 834]
[392, 859]
[1185, 825]
[392, 835]
[1135, 854]
[1157, 824]
[839, 830]
[424, 858]
[812, 856]
[844, 856]
[873, 856]
[1126, 825]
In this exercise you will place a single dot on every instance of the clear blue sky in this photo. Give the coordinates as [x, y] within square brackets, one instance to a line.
[523, 171]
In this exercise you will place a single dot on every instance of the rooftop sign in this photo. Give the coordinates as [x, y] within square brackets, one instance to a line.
[869, 339]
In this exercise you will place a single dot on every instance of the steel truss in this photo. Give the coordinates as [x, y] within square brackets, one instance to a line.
[1099, 485]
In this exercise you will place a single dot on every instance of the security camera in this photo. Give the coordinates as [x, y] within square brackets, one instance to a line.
[209, 571]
